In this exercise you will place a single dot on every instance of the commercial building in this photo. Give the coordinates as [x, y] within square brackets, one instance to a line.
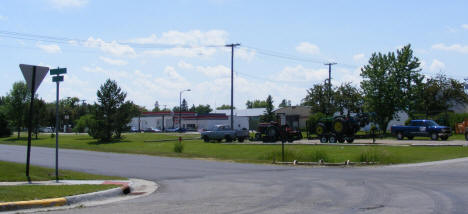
[294, 116]
[249, 118]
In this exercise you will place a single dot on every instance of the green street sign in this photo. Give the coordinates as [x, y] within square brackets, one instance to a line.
[58, 71]
[57, 78]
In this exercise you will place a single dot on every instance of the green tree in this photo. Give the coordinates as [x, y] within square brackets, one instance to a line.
[317, 99]
[347, 97]
[284, 103]
[4, 127]
[16, 102]
[224, 106]
[269, 115]
[389, 82]
[256, 104]
[201, 109]
[124, 115]
[111, 100]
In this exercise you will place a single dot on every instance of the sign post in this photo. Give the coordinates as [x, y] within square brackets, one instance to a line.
[57, 78]
[34, 76]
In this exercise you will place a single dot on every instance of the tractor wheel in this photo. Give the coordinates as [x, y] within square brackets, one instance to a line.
[323, 139]
[341, 140]
[320, 129]
[349, 139]
[339, 125]
[332, 139]
[271, 133]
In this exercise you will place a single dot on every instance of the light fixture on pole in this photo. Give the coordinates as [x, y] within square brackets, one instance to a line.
[180, 108]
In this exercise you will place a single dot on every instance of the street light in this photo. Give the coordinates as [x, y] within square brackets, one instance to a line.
[180, 107]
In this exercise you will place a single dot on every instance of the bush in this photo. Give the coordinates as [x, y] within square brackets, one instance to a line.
[178, 147]
[5, 131]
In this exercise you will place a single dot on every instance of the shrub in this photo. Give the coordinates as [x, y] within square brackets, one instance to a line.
[178, 147]
[5, 131]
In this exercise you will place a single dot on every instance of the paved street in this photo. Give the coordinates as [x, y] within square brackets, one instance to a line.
[198, 186]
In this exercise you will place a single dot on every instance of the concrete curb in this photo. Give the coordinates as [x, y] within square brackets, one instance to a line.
[69, 200]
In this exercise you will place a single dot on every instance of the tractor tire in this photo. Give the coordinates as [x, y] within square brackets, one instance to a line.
[206, 139]
[341, 140]
[332, 139]
[339, 125]
[323, 139]
[272, 134]
[320, 129]
[349, 139]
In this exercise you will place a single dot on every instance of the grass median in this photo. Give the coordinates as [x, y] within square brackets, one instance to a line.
[258, 153]
[15, 172]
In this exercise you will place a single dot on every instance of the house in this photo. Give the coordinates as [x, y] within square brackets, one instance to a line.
[295, 116]
[250, 116]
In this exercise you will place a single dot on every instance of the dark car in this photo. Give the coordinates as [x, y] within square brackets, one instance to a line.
[422, 128]
[176, 130]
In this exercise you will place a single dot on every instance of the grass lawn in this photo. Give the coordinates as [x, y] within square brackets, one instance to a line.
[15, 172]
[134, 143]
[29, 192]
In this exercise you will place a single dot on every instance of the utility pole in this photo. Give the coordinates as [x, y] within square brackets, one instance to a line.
[329, 83]
[232, 45]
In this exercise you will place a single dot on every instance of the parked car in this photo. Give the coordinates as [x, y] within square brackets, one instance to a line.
[176, 130]
[152, 130]
[133, 129]
[424, 128]
[46, 129]
[221, 132]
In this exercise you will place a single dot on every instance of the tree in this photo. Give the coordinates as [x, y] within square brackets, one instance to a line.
[349, 98]
[269, 115]
[39, 115]
[111, 101]
[16, 102]
[284, 103]
[224, 106]
[388, 84]
[317, 99]
[124, 115]
[256, 104]
[201, 109]
[4, 127]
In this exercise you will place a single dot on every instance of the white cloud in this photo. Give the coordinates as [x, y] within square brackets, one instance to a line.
[245, 54]
[455, 47]
[358, 57]
[299, 73]
[114, 74]
[307, 48]
[214, 71]
[52, 48]
[437, 65]
[191, 38]
[110, 47]
[111, 61]
[60, 4]
[182, 64]
[464, 26]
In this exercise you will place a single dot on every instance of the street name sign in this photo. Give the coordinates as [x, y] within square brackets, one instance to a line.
[58, 71]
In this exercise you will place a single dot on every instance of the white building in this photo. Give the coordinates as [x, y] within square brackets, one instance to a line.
[248, 118]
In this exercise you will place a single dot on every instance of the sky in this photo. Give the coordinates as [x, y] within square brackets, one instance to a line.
[155, 49]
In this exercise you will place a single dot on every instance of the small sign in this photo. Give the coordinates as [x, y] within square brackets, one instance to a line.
[57, 79]
[58, 71]
[27, 71]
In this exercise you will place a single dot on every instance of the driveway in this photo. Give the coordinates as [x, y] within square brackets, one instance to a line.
[198, 186]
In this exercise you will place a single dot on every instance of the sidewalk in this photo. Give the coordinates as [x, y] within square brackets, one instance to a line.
[128, 189]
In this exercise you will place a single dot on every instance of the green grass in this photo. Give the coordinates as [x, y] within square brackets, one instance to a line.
[29, 192]
[16, 172]
[134, 143]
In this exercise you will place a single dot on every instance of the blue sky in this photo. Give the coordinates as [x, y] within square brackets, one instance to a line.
[154, 49]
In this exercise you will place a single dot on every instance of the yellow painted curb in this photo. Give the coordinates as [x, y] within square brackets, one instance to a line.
[32, 204]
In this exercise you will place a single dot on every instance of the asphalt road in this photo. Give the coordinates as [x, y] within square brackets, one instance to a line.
[198, 186]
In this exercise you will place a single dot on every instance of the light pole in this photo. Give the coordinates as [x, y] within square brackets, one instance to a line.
[180, 107]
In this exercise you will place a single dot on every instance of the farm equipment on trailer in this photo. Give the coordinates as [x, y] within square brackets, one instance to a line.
[273, 131]
[340, 128]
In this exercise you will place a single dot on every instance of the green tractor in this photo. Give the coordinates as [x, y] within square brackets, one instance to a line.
[340, 128]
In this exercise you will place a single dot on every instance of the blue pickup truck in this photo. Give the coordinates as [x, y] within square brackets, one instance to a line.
[423, 128]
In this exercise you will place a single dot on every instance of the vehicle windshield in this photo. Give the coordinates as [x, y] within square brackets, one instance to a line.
[432, 123]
